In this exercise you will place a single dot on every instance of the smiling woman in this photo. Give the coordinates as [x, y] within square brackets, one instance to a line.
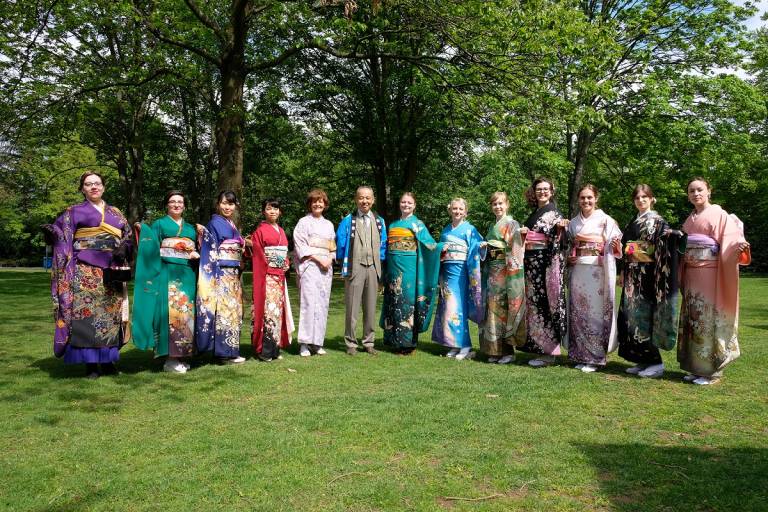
[91, 310]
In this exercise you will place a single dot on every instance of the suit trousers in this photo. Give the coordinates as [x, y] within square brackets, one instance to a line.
[361, 288]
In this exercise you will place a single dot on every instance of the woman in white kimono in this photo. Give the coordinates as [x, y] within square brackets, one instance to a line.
[595, 241]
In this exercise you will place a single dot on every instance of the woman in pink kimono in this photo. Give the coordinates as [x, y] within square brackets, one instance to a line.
[709, 314]
[315, 246]
[595, 241]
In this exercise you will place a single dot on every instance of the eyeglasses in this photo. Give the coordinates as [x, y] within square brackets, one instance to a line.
[541, 190]
[176, 202]
[89, 184]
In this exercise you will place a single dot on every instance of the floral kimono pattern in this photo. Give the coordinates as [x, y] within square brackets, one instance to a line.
[591, 289]
[504, 289]
[411, 272]
[545, 311]
[460, 286]
[219, 289]
[164, 295]
[648, 313]
[709, 315]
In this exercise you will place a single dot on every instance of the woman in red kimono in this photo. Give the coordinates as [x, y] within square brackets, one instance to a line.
[272, 320]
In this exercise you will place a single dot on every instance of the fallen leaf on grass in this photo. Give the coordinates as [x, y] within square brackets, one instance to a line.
[291, 370]
[491, 396]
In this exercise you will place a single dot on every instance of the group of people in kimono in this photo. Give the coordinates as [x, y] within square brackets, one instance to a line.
[535, 287]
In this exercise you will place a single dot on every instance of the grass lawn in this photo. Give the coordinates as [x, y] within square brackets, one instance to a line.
[373, 433]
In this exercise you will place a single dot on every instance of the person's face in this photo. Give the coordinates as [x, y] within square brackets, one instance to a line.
[317, 207]
[175, 205]
[543, 193]
[499, 207]
[227, 209]
[642, 202]
[587, 202]
[364, 200]
[407, 205]
[271, 214]
[93, 188]
[458, 211]
[698, 193]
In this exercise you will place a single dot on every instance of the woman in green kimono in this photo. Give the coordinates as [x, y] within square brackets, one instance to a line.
[410, 279]
[503, 286]
[164, 297]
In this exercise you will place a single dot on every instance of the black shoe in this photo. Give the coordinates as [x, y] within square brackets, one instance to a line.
[109, 369]
[92, 371]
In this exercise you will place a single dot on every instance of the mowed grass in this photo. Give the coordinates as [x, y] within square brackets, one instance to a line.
[373, 433]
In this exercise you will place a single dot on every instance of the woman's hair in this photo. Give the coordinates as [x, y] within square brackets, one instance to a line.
[498, 195]
[530, 192]
[172, 193]
[698, 178]
[314, 195]
[592, 188]
[459, 200]
[228, 196]
[408, 194]
[645, 189]
[85, 176]
[270, 201]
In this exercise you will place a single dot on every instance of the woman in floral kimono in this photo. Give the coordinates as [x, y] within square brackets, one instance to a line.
[219, 290]
[503, 285]
[709, 315]
[595, 243]
[648, 312]
[164, 296]
[460, 283]
[314, 241]
[410, 279]
[90, 240]
[545, 312]
[272, 320]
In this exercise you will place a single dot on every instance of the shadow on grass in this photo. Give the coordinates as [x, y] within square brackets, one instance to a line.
[642, 477]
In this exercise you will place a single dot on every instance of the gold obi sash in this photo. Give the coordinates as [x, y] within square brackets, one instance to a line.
[535, 241]
[177, 247]
[401, 239]
[230, 252]
[276, 255]
[321, 246]
[103, 237]
[453, 251]
[588, 249]
[639, 251]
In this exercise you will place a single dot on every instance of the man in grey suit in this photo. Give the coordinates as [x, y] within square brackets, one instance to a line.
[361, 243]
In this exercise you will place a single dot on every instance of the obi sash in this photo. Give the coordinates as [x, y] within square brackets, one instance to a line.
[588, 249]
[702, 250]
[230, 253]
[401, 239]
[321, 246]
[497, 250]
[640, 251]
[276, 255]
[453, 251]
[103, 237]
[177, 247]
[535, 241]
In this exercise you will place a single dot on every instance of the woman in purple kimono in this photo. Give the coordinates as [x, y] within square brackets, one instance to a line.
[91, 241]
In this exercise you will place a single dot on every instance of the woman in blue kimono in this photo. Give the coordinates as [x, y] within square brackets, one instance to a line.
[410, 279]
[219, 290]
[459, 284]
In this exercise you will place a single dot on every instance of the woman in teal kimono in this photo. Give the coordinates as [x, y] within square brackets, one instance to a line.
[503, 286]
[461, 297]
[164, 297]
[410, 279]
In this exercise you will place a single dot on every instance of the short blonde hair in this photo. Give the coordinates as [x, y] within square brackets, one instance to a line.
[459, 200]
[498, 195]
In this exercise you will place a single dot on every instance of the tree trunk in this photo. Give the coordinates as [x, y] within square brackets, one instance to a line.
[583, 142]
[230, 127]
